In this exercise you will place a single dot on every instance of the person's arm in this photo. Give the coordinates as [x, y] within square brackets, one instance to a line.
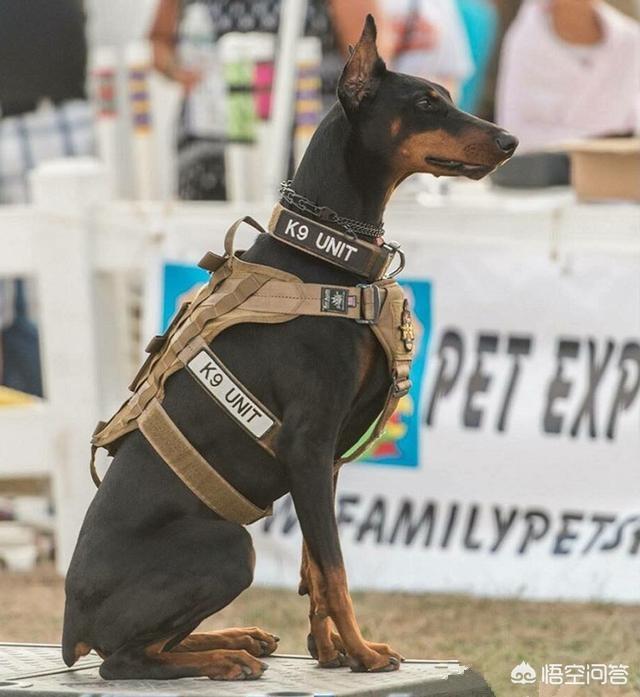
[163, 40]
[348, 20]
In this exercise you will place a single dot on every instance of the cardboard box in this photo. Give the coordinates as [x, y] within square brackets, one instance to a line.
[606, 169]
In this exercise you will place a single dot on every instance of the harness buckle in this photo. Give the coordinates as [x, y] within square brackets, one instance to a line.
[401, 387]
[396, 250]
[401, 383]
[376, 301]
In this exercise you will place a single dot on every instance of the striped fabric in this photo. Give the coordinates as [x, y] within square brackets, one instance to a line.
[49, 132]
[264, 16]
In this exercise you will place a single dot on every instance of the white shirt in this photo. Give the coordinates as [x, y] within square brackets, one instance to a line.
[450, 57]
[550, 91]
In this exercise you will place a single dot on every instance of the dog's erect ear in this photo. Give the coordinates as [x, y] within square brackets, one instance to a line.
[364, 69]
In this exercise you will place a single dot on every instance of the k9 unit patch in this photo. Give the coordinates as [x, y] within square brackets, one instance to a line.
[216, 379]
[334, 300]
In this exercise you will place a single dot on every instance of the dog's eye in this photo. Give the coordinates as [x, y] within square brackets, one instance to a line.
[426, 104]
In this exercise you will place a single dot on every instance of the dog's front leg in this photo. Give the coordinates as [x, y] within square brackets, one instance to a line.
[323, 641]
[309, 460]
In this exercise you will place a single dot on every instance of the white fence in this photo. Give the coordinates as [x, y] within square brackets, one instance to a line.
[87, 252]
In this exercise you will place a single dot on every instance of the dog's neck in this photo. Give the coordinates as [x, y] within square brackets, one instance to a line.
[335, 172]
[338, 173]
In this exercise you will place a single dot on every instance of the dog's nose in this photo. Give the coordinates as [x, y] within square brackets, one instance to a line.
[506, 142]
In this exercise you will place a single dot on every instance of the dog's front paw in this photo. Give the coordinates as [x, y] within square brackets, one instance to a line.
[384, 649]
[378, 658]
[330, 657]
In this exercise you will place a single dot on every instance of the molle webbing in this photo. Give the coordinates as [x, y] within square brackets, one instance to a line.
[240, 292]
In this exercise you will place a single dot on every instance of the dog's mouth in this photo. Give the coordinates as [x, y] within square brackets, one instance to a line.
[458, 167]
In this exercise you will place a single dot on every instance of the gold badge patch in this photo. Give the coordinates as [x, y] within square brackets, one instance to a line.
[406, 327]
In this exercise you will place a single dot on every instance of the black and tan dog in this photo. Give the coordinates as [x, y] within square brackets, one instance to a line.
[152, 561]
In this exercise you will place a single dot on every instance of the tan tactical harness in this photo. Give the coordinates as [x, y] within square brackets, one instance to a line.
[238, 292]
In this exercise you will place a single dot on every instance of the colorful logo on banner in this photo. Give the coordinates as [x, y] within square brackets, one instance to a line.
[177, 281]
[399, 445]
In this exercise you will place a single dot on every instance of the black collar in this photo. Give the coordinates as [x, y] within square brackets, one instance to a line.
[363, 258]
[324, 214]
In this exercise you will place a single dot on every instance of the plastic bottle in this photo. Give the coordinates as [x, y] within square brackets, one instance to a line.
[204, 115]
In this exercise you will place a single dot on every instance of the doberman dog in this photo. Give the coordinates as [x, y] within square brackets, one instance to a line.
[152, 561]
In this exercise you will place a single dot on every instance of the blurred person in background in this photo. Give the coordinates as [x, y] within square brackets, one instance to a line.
[335, 22]
[629, 7]
[506, 11]
[44, 114]
[431, 41]
[569, 69]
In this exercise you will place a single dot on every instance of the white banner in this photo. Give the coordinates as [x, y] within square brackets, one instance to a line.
[513, 467]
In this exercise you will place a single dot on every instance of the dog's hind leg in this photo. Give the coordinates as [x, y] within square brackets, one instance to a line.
[255, 641]
[172, 578]
[153, 663]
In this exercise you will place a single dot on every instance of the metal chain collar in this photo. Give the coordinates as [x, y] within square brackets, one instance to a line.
[351, 225]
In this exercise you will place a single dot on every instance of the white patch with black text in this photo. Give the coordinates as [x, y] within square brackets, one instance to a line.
[229, 394]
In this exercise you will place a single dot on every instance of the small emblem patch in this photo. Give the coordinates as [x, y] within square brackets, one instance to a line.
[334, 300]
[406, 327]
[230, 394]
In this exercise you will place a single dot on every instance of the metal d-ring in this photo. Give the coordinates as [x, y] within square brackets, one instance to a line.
[395, 248]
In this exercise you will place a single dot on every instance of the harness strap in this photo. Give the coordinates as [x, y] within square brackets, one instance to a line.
[201, 313]
[400, 387]
[360, 303]
[231, 233]
[213, 490]
[94, 448]
[249, 292]
[222, 267]
[240, 403]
